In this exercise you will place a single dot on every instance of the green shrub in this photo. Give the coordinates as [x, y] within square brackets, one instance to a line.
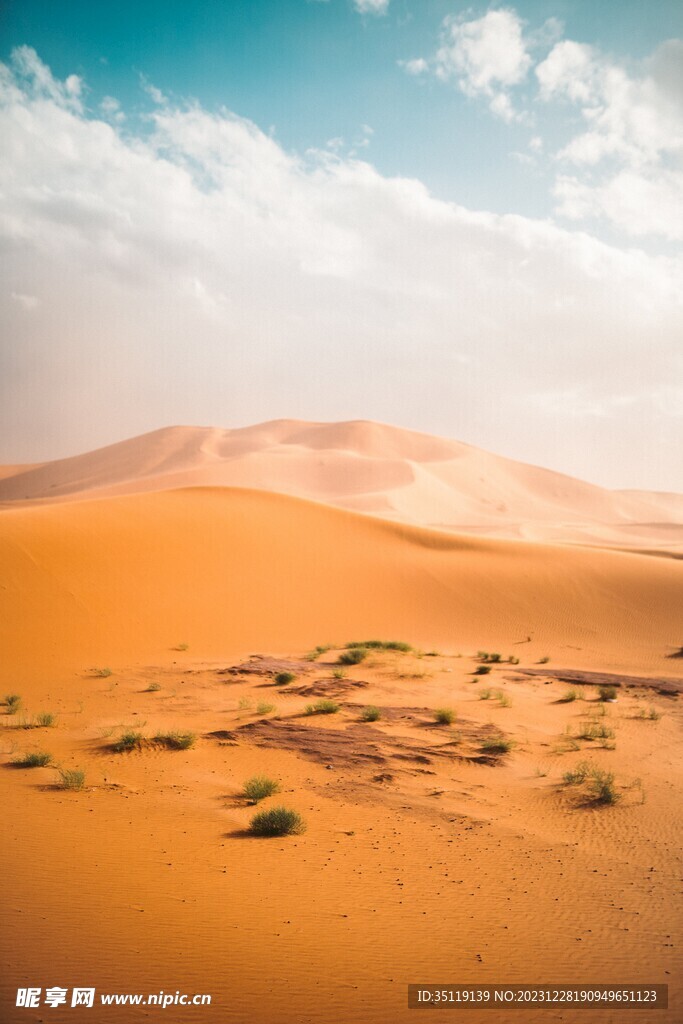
[482, 655]
[381, 645]
[259, 787]
[282, 678]
[264, 708]
[71, 778]
[37, 760]
[45, 720]
[596, 731]
[370, 714]
[176, 740]
[495, 659]
[602, 787]
[607, 693]
[577, 775]
[129, 741]
[444, 716]
[322, 707]
[13, 703]
[482, 670]
[353, 656]
[316, 652]
[496, 745]
[277, 821]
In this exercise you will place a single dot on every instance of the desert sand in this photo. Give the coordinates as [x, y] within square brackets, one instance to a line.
[371, 468]
[131, 603]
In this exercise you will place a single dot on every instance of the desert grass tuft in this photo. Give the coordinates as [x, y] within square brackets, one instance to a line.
[128, 741]
[71, 778]
[607, 693]
[353, 656]
[13, 703]
[39, 759]
[381, 645]
[602, 787]
[322, 707]
[283, 678]
[259, 787]
[153, 688]
[444, 716]
[277, 821]
[482, 670]
[496, 745]
[263, 708]
[176, 740]
[371, 714]
[577, 775]
[44, 720]
[316, 652]
[102, 673]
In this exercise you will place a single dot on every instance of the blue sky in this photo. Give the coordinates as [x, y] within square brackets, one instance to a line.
[314, 70]
[464, 219]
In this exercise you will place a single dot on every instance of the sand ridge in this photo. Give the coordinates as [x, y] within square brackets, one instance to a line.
[369, 467]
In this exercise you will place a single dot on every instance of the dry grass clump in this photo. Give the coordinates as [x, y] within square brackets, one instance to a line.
[444, 716]
[322, 707]
[371, 714]
[259, 787]
[71, 778]
[496, 745]
[176, 740]
[381, 645]
[353, 656]
[128, 741]
[277, 821]
[39, 759]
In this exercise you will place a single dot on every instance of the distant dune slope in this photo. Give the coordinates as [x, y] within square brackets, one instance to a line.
[87, 583]
[371, 468]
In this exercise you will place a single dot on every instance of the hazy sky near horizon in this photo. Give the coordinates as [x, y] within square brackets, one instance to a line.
[459, 218]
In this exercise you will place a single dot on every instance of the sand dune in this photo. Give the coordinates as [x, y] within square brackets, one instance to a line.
[234, 569]
[423, 859]
[371, 468]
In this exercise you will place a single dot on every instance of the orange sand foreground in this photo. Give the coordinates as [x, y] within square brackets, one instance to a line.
[425, 859]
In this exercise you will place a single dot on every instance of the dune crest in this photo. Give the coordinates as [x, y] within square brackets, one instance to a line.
[367, 467]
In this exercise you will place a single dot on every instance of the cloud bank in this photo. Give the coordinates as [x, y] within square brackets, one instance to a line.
[186, 268]
[625, 163]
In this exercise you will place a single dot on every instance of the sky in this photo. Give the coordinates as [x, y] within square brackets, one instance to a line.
[457, 218]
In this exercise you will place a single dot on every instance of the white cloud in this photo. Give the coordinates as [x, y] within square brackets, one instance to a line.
[111, 108]
[201, 273]
[26, 301]
[416, 66]
[371, 6]
[625, 163]
[486, 55]
[629, 158]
